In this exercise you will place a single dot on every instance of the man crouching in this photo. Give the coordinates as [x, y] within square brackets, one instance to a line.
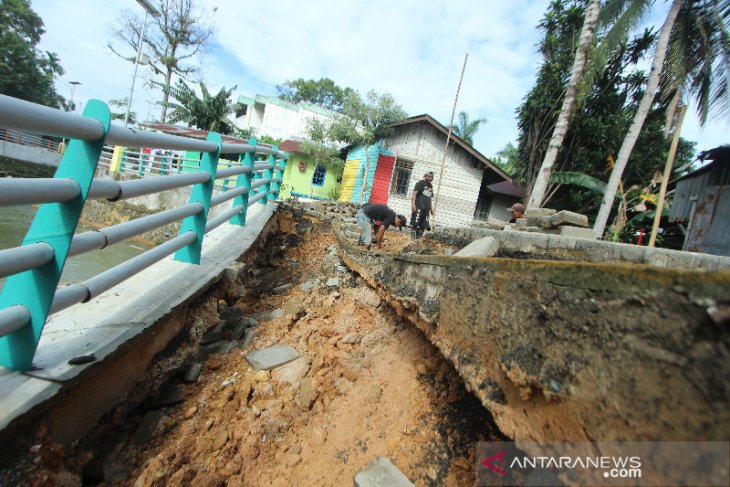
[380, 217]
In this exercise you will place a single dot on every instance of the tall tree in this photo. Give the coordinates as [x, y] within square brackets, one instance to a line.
[694, 77]
[323, 92]
[25, 71]
[321, 146]
[207, 113]
[365, 122]
[537, 195]
[174, 38]
[467, 129]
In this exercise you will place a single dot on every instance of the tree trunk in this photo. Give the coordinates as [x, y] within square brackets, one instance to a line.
[365, 176]
[633, 134]
[165, 95]
[537, 195]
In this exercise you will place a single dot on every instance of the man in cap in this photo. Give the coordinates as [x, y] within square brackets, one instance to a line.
[380, 217]
[421, 205]
[517, 210]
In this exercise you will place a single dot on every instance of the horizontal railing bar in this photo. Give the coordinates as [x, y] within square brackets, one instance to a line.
[68, 296]
[13, 318]
[99, 239]
[77, 293]
[23, 258]
[259, 182]
[222, 218]
[232, 171]
[110, 278]
[104, 189]
[23, 115]
[228, 195]
[29, 191]
[140, 187]
[255, 198]
[263, 166]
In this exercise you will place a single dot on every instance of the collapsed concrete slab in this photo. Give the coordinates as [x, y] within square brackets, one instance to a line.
[568, 350]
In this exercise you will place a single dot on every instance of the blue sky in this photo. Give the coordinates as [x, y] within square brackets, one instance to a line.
[411, 49]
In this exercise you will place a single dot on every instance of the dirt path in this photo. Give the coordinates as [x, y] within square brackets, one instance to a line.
[366, 385]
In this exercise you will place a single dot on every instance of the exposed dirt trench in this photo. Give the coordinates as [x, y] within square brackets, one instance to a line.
[367, 384]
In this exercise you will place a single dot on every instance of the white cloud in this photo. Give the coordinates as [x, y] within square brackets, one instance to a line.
[409, 48]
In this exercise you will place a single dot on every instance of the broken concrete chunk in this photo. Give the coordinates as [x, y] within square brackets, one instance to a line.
[248, 337]
[268, 315]
[292, 372]
[309, 285]
[239, 329]
[565, 217]
[334, 282]
[539, 212]
[147, 427]
[211, 337]
[483, 247]
[381, 472]
[577, 232]
[192, 371]
[271, 357]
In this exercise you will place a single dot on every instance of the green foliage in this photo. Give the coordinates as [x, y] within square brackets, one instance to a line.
[324, 93]
[335, 192]
[367, 121]
[207, 113]
[267, 139]
[321, 145]
[601, 121]
[172, 40]
[242, 133]
[121, 104]
[508, 158]
[467, 129]
[25, 71]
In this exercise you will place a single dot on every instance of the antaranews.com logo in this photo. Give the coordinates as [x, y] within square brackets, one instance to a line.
[603, 463]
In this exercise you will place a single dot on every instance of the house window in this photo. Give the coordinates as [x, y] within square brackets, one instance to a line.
[318, 177]
[401, 176]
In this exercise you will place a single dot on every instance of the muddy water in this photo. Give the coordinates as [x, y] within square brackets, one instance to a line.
[14, 223]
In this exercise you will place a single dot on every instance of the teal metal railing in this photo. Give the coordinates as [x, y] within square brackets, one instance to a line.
[33, 269]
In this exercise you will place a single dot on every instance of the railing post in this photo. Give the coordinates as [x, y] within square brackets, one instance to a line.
[244, 180]
[226, 181]
[54, 224]
[201, 193]
[279, 174]
[269, 174]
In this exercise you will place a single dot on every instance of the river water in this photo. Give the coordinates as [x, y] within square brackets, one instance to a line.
[14, 223]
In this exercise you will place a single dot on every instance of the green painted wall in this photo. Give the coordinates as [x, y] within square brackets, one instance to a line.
[300, 181]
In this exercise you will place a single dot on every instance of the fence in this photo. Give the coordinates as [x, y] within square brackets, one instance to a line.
[34, 268]
[31, 140]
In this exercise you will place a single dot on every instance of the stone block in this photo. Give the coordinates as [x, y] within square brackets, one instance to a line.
[192, 371]
[484, 247]
[248, 337]
[269, 358]
[333, 282]
[565, 217]
[578, 232]
[539, 212]
[381, 473]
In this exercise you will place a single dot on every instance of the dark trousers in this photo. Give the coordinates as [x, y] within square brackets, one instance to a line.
[419, 222]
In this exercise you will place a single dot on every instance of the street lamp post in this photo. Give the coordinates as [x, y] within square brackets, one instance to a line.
[149, 9]
[73, 84]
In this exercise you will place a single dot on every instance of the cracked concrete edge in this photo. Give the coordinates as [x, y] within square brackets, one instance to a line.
[67, 334]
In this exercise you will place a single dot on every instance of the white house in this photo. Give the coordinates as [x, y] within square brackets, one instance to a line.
[267, 115]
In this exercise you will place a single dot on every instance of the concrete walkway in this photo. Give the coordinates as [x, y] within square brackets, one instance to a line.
[106, 323]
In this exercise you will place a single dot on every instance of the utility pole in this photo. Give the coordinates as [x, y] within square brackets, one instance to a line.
[149, 9]
[448, 139]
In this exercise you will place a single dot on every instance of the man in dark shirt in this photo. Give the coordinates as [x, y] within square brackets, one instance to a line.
[380, 217]
[421, 205]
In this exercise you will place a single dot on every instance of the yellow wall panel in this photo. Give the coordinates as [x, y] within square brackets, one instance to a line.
[349, 175]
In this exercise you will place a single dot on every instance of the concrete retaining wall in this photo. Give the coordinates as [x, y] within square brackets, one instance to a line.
[572, 350]
[35, 155]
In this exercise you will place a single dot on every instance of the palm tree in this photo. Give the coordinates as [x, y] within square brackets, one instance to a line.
[467, 129]
[537, 195]
[207, 113]
[700, 43]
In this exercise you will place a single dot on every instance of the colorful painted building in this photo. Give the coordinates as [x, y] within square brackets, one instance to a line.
[305, 180]
[472, 188]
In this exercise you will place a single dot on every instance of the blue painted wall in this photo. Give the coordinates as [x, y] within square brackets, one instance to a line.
[358, 153]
